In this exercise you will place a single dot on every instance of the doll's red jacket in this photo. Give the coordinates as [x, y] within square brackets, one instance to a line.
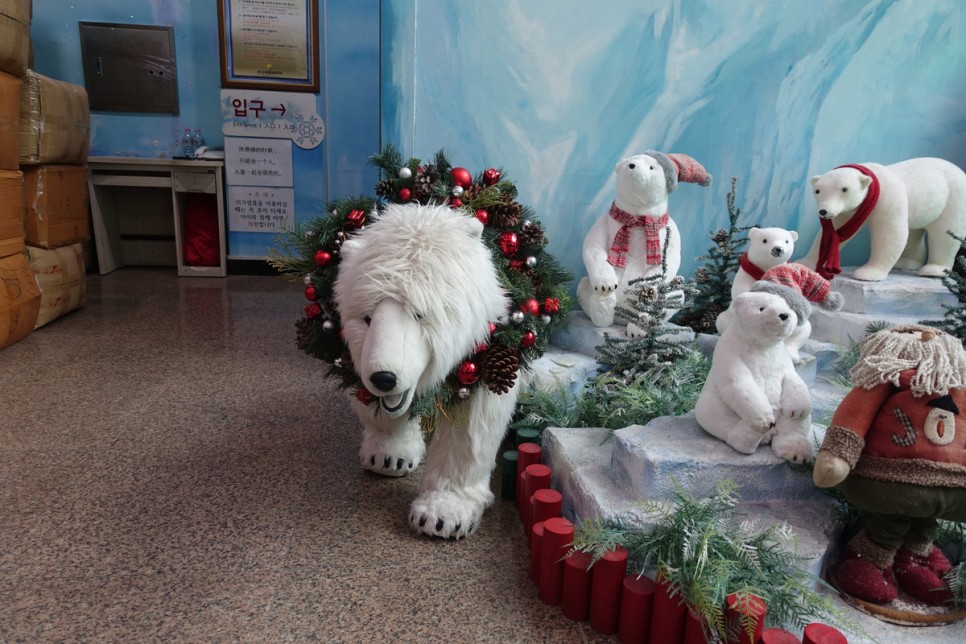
[886, 433]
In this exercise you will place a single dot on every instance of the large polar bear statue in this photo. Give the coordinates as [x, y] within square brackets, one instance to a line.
[909, 207]
[416, 293]
[627, 243]
[753, 394]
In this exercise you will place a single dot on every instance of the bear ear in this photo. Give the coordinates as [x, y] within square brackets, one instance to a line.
[473, 226]
[754, 234]
[815, 179]
[352, 245]
[864, 181]
[793, 235]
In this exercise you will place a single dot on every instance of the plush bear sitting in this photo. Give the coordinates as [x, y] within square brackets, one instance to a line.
[898, 455]
[628, 242]
[753, 394]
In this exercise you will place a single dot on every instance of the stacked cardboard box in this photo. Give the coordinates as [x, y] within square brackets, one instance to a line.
[54, 121]
[14, 36]
[60, 274]
[19, 291]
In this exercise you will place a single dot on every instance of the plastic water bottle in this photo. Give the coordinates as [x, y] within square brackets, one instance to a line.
[187, 144]
[198, 140]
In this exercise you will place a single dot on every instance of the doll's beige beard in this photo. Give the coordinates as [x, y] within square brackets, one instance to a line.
[940, 363]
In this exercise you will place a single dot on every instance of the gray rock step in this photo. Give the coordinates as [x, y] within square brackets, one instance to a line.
[558, 368]
[582, 336]
[903, 294]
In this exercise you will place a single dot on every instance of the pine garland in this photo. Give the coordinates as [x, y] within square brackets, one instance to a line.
[704, 552]
[534, 279]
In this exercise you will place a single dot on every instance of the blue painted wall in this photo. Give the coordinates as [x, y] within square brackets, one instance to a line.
[349, 102]
[557, 91]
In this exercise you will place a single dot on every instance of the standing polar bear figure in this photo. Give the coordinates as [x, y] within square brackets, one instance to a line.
[628, 242]
[909, 206]
[416, 293]
[753, 394]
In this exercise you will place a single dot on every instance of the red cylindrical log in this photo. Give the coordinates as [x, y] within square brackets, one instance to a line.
[605, 590]
[637, 599]
[740, 609]
[778, 636]
[537, 478]
[668, 616]
[558, 536]
[536, 544]
[527, 455]
[822, 634]
[575, 602]
[547, 504]
[694, 629]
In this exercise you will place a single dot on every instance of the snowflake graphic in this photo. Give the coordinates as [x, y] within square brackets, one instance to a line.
[309, 132]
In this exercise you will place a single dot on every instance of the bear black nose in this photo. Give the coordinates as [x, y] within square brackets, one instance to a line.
[383, 380]
[823, 212]
[631, 166]
[777, 251]
[783, 316]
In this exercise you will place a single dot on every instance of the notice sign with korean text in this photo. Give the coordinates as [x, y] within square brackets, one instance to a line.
[260, 210]
[258, 162]
[274, 115]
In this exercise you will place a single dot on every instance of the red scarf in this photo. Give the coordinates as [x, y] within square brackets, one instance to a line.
[622, 240]
[751, 268]
[828, 253]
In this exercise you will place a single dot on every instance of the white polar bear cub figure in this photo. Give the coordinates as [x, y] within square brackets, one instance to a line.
[627, 243]
[767, 248]
[416, 292]
[908, 206]
[753, 394]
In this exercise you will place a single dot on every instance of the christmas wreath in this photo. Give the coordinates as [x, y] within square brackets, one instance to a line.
[536, 283]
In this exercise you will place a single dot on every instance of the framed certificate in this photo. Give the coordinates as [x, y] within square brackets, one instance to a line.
[269, 44]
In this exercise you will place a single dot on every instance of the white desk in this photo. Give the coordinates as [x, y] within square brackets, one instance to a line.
[138, 210]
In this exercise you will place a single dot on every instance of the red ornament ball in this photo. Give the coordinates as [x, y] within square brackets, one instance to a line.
[483, 216]
[491, 176]
[531, 306]
[364, 396]
[516, 264]
[509, 243]
[322, 257]
[455, 202]
[461, 177]
[529, 339]
[405, 194]
[310, 293]
[481, 347]
[492, 328]
[551, 305]
[467, 373]
[313, 311]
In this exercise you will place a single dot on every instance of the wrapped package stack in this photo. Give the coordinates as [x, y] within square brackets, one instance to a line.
[44, 229]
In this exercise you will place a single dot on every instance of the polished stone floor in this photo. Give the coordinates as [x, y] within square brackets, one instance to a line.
[173, 469]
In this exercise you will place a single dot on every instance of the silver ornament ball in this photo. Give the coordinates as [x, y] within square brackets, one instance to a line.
[405, 173]
[531, 261]
[463, 392]
[307, 280]
[328, 325]
[545, 318]
[517, 317]
[458, 191]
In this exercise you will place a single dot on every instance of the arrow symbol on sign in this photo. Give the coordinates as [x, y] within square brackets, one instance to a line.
[280, 108]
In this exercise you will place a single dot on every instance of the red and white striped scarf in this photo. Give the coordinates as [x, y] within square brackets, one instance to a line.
[622, 240]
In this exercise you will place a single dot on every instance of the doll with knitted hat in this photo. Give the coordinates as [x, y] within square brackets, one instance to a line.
[894, 451]
[629, 241]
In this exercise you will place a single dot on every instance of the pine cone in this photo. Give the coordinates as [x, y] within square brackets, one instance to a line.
[532, 236]
[720, 236]
[710, 317]
[701, 275]
[385, 189]
[472, 193]
[499, 366]
[505, 215]
[423, 185]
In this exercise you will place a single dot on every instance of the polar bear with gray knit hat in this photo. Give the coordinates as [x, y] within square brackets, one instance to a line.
[628, 242]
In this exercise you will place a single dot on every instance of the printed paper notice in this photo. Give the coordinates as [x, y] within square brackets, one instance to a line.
[258, 162]
[260, 210]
